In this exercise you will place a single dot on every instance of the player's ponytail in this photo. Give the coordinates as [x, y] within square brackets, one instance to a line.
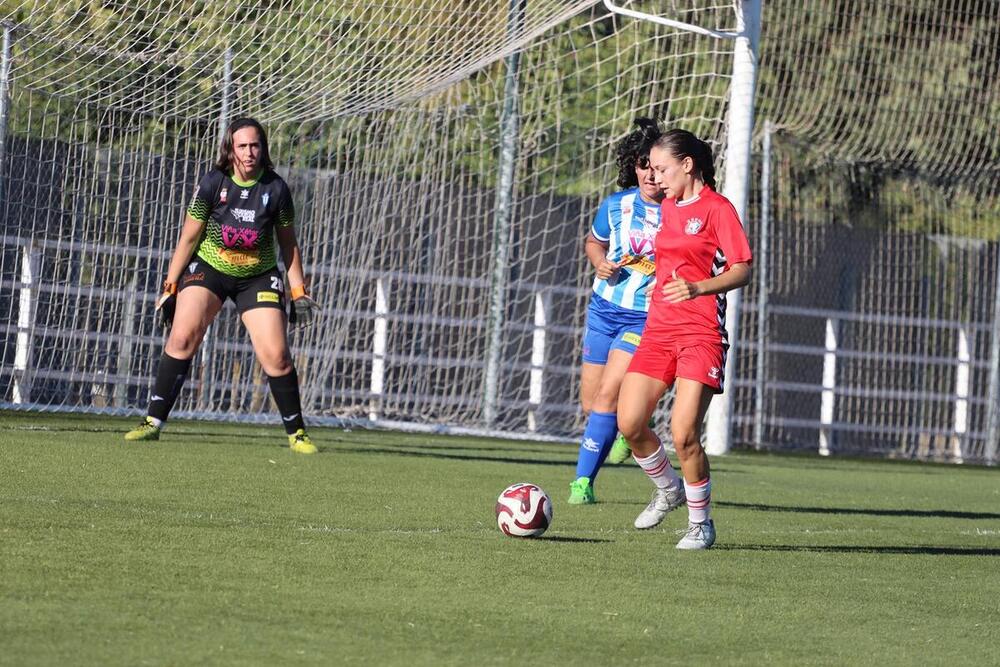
[681, 144]
[633, 149]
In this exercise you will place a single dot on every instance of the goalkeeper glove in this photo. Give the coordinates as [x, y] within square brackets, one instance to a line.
[167, 304]
[304, 309]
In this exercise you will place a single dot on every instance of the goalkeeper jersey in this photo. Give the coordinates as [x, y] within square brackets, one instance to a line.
[238, 239]
[628, 224]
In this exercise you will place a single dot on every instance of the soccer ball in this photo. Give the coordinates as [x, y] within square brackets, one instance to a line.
[523, 510]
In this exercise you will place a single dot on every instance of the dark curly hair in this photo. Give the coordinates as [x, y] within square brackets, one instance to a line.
[226, 150]
[633, 150]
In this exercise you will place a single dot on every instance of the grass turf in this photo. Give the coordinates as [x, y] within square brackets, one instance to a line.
[218, 546]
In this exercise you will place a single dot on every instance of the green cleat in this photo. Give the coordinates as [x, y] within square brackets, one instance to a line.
[147, 430]
[581, 492]
[300, 443]
[620, 450]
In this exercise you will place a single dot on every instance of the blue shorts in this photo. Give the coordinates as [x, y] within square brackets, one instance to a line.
[610, 327]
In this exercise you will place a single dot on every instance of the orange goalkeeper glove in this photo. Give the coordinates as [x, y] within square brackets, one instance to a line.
[304, 310]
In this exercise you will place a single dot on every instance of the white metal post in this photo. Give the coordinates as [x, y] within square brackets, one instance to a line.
[510, 123]
[536, 386]
[378, 350]
[961, 396]
[993, 392]
[4, 103]
[24, 342]
[762, 282]
[736, 189]
[227, 85]
[120, 395]
[828, 397]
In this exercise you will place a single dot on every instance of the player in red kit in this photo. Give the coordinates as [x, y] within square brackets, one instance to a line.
[701, 253]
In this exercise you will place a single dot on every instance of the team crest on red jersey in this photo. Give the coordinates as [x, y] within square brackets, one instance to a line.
[693, 226]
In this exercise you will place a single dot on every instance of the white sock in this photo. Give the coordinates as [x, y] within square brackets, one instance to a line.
[658, 467]
[699, 500]
[156, 422]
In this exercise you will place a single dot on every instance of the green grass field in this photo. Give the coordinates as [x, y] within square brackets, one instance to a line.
[217, 546]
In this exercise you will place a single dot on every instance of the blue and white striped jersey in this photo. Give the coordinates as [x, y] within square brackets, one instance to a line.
[629, 225]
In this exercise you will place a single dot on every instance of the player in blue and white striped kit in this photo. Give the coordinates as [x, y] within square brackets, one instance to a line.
[620, 248]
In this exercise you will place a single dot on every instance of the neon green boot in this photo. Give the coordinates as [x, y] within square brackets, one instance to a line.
[581, 492]
[300, 443]
[620, 450]
[147, 430]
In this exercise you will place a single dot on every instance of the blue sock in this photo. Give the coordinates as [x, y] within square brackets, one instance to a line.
[602, 427]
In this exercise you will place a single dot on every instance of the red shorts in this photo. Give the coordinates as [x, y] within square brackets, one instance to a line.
[665, 360]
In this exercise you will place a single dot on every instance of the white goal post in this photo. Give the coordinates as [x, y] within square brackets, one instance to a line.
[736, 178]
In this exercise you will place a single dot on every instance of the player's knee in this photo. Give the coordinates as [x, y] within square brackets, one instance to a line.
[606, 399]
[276, 364]
[686, 441]
[182, 344]
[631, 426]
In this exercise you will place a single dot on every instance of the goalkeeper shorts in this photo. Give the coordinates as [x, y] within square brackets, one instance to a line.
[266, 290]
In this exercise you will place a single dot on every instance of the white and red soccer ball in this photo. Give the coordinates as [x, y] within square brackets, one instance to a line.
[523, 510]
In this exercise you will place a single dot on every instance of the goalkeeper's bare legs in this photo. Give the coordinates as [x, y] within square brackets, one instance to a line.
[197, 307]
[267, 329]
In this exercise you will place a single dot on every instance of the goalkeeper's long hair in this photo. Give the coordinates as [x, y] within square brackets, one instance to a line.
[682, 144]
[226, 150]
[633, 150]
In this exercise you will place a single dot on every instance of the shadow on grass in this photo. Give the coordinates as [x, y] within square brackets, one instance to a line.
[559, 538]
[465, 457]
[851, 549]
[940, 514]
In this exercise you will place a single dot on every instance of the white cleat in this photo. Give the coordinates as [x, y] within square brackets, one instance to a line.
[698, 536]
[664, 501]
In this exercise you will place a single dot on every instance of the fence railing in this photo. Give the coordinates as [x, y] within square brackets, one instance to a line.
[954, 430]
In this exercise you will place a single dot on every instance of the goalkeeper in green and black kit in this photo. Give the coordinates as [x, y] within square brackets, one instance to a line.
[226, 250]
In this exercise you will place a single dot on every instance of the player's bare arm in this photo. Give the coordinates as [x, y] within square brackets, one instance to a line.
[597, 253]
[678, 289]
[186, 244]
[291, 255]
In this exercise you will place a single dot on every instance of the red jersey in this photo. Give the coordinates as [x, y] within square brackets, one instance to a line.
[699, 239]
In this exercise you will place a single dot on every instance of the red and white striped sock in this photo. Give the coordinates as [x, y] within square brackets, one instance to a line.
[699, 500]
[658, 467]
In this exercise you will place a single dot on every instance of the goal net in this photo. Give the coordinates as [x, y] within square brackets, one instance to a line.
[388, 121]
[446, 159]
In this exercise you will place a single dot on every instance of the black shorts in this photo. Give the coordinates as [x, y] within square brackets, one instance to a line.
[265, 290]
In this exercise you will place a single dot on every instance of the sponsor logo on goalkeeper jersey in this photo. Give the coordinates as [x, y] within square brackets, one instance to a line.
[693, 226]
[268, 297]
[239, 257]
[239, 237]
[244, 214]
[244, 194]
